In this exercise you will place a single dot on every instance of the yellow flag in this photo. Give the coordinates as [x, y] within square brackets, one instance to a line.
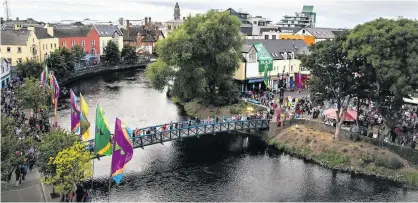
[84, 123]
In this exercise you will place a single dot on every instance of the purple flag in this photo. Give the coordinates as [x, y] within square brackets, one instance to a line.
[122, 149]
[75, 114]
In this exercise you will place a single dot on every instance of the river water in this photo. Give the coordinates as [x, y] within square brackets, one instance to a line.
[224, 167]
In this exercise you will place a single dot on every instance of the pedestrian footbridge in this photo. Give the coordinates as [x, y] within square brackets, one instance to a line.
[184, 129]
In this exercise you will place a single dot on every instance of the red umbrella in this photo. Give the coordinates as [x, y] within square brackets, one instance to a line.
[350, 116]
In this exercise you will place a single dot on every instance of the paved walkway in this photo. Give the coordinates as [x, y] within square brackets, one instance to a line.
[30, 190]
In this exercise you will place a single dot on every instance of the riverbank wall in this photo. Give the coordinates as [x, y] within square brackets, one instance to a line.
[96, 70]
[406, 153]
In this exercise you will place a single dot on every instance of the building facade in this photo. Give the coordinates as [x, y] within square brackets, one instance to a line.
[109, 33]
[18, 46]
[87, 37]
[173, 24]
[306, 18]
[46, 42]
[5, 72]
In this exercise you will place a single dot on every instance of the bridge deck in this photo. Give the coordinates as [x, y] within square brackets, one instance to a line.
[158, 134]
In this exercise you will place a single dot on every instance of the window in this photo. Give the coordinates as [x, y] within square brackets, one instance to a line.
[55, 45]
[273, 36]
[169, 27]
[72, 43]
[51, 46]
[266, 37]
[19, 60]
[284, 68]
[83, 43]
[2, 68]
[291, 68]
[103, 44]
[43, 47]
[8, 49]
[303, 31]
[63, 43]
[252, 56]
[19, 50]
[93, 42]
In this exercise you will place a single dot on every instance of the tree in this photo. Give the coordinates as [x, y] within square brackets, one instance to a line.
[61, 61]
[111, 52]
[32, 95]
[30, 68]
[129, 54]
[73, 166]
[390, 51]
[201, 58]
[52, 143]
[333, 75]
[9, 145]
[77, 53]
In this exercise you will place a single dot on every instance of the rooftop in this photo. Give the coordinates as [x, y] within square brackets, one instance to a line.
[275, 47]
[41, 33]
[325, 33]
[307, 9]
[14, 37]
[71, 32]
[107, 30]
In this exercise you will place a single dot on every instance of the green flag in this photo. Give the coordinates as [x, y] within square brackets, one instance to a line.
[102, 134]
[266, 76]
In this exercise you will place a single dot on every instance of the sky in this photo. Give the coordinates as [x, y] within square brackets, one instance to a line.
[335, 14]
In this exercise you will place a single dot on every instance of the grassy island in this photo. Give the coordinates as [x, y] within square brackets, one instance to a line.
[344, 155]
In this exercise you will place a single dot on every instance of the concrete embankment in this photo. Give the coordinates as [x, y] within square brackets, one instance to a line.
[353, 153]
[91, 71]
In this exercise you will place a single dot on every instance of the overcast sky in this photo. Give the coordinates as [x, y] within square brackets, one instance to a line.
[345, 14]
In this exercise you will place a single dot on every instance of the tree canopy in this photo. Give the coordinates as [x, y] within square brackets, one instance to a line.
[73, 166]
[111, 53]
[129, 54]
[29, 68]
[9, 145]
[200, 58]
[52, 143]
[389, 49]
[61, 61]
[77, 53]
[333, 74]
[31, 94]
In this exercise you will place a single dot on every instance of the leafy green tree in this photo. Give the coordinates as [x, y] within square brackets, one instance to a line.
[389, 49]
[201, 58]
[9, 145]
[111, 52]
[333, 75]
[61, 61]
[29, 68]
[52, 143]
[73, 166]
[77, 53]
[129, 54]
[32, 95]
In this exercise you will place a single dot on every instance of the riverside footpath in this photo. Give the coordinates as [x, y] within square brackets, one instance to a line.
[30, 190]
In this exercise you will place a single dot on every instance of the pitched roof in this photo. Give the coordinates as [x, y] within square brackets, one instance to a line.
[289, 29]
[269, 29]
[107, 30]
[274, 47]
[71, 32]
[323, 33]
[246, 48]
[130, 35]
[41, 33]
[12, 37]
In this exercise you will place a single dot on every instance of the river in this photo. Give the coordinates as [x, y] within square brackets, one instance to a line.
[224, 167]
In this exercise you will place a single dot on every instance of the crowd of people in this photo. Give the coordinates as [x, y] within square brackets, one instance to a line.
[25, 128]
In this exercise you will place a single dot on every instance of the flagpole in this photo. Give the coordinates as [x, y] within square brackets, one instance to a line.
[111, 162]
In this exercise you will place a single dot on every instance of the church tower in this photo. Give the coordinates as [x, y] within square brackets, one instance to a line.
[177, 12]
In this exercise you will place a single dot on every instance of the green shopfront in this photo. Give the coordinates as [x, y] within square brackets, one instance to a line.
[256, 78]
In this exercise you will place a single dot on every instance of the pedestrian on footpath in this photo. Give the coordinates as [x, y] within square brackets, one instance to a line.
[18, 173]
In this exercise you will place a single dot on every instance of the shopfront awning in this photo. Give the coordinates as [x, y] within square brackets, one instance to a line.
[255, 80]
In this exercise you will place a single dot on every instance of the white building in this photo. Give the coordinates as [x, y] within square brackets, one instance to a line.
[320, 34]
[306, 18]
[5, 72]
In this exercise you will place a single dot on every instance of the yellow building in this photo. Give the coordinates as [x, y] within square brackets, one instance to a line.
[46, 42]
[19, 46]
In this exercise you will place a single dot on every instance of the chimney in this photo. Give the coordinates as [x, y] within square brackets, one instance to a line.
[50, 30]
[128, 26]
[146, 20]
[149, 20]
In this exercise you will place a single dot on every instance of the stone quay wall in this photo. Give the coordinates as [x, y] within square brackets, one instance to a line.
[405, 152]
